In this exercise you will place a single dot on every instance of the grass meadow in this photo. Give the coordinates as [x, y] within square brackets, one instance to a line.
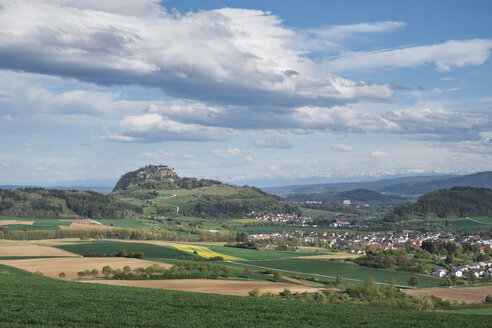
[44, 302]
[351, 273]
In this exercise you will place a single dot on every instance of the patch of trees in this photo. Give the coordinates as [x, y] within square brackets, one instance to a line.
[121, 253]
[453, 202]
[371, 295]
[39, 202]
[179, 270]
[218, 207]
[398, 259]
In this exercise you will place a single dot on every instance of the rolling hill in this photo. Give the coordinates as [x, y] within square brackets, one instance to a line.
[160, 191]
[453, 202]
[406, 186]
[38, 202]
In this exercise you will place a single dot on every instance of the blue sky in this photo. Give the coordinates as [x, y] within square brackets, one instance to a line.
[257, 92]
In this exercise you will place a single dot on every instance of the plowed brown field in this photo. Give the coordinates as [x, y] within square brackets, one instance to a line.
[71, 265]
[469, 294]
[225, 287]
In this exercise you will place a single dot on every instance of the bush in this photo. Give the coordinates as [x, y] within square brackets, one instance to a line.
[255, 292]
[488, 299]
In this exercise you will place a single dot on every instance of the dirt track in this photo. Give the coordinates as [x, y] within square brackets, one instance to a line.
[225, 287]
[71, 265]
[470, 294]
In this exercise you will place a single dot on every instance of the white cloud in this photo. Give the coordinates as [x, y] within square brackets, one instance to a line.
[444, 56]
[272, 142]
[191, 56]
[336, 32]
[342, 148]
[157, 128]
[231, 152]
[379, 154]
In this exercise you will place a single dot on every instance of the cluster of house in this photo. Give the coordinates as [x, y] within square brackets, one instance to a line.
[479, 270]
[373, 240]
[290, 219]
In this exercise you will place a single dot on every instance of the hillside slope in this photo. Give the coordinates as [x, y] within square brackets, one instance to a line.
[160, 191]
[477, 180]
[38, 202]
[453, 202]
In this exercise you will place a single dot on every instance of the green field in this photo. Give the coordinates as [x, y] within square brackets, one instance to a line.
[39, 224]
[45, 302]
[252, 254]
[461, 224]
[112, 247]
[486, 311]
[351, 273]
[123, 223]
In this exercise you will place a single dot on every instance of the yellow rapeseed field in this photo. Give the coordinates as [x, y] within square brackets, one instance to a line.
[205, 252]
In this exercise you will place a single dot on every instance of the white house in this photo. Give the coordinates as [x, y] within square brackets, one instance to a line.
[457, 273]
[439, 272]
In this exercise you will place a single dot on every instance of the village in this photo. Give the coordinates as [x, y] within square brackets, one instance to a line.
[360, 243]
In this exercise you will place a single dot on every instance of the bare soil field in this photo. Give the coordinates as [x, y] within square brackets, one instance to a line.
[85, 224]
[297, 281]
[331, 256]
[224, 287]
[469, 294]
[51, 267]
[7, 222]
[8, 249]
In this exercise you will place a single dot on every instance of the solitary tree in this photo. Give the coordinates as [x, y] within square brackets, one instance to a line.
[61, 275]
[277, 275]
[414, 281]
[107, 270]
[248, 272]
[338, 281]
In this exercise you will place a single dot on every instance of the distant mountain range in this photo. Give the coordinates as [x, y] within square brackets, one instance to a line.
[407, 186]
[99, 189]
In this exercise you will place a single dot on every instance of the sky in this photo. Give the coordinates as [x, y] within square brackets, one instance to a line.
[247, 92]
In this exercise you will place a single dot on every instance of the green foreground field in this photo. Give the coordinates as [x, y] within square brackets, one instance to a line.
[44, 302]
[259, 261]
[351, 273]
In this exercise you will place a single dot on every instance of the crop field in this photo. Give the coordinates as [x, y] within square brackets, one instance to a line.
[123, 223]
[44, 302]
[112, 247]
[223, 287]
[205, 252]
[486, 311]
[483, 219]
[467, 294]
[9, 249]
[51, 267]
[252, 254]
[38, 223]
[244, 220]
[351, 273]
[464, 224]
